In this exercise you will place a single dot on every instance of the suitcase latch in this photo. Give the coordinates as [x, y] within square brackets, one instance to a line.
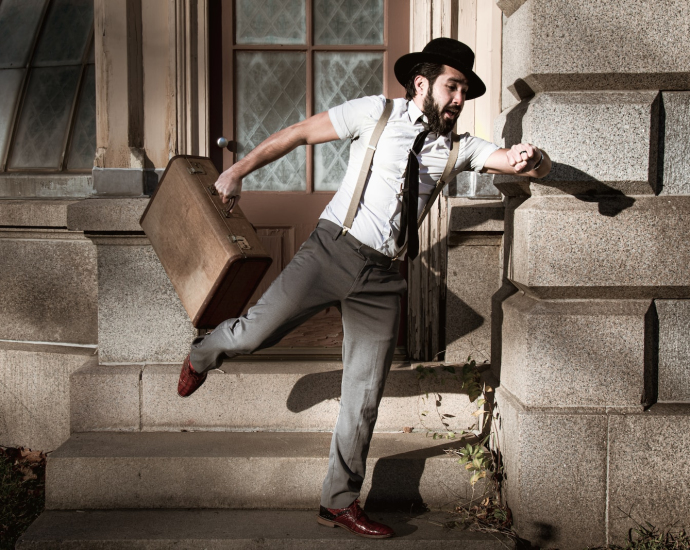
[196, 168]
[240, 241]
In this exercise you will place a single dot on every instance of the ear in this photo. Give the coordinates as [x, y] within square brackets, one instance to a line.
[421, 85]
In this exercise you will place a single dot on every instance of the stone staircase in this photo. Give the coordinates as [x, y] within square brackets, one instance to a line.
[240, 464]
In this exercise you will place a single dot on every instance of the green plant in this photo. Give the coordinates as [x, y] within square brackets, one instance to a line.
[22, 492]
[480, 454]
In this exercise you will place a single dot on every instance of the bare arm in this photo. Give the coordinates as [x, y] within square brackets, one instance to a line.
[520, 160]
[315, 129]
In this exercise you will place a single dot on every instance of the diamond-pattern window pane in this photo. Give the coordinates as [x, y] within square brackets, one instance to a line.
[10, 81]
[271, 22]
[348, 21]
[83, 148]
[271, 94]
[65, 33]
[339, 77]
[19, 20]
[44, 118]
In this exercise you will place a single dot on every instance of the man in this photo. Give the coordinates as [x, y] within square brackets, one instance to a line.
[354, 264]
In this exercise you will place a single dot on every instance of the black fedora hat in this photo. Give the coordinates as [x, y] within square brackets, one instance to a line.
[444, 51]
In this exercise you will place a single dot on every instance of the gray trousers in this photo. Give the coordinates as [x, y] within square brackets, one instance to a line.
[328, 270]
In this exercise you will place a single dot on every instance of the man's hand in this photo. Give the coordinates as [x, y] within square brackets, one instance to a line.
[229, 186]
[524, 159]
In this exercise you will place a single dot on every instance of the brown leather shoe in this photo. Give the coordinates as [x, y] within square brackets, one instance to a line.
[189, 379]
[354, 520]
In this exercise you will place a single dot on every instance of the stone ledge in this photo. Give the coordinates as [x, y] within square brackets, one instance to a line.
[34, 213]
[45, 186]
[126, 181]
[48, 347]
[475, 215]
[568, 247]
[584, 133]
[105, 215]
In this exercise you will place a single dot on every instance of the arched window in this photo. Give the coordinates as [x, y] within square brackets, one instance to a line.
[47, 86]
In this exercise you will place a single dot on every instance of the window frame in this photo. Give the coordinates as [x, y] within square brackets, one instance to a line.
[391, 17]
[19, 104]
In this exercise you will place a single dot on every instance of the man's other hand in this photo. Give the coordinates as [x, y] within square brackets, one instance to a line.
[229, 187]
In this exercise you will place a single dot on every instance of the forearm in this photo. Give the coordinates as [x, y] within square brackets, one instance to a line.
[315, 129]
[272, 148]
[521, 159]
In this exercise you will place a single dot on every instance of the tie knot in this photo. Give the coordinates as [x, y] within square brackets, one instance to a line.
[419, 141]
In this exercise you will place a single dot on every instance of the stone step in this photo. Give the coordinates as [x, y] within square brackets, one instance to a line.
[238, 529]
[288, 396]
[241, 470]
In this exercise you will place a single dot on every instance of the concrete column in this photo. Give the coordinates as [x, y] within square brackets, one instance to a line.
[140, 317]
[593, 360]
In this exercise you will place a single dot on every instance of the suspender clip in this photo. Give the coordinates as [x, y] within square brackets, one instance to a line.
[345, 230]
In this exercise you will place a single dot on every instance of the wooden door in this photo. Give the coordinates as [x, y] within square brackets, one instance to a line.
[281, 62]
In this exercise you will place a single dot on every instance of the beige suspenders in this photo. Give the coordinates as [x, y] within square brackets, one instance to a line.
[366, 166]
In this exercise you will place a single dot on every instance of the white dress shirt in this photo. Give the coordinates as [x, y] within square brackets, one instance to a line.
[377, 222]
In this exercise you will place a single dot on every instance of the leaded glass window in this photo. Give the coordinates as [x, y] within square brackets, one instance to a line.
[47, 82]
[295, 58]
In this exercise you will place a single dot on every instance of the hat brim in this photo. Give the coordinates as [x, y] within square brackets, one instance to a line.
[404, 65]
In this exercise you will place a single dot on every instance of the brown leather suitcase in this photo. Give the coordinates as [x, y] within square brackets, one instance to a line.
[213, 257]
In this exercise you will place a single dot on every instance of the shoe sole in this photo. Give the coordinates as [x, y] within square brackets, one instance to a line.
[329, 523]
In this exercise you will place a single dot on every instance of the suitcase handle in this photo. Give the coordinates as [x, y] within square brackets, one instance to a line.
[227, 212]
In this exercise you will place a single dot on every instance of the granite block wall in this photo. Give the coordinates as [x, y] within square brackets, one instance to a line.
[594, 346]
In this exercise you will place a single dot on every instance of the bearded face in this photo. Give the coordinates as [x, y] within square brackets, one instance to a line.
[441, 118]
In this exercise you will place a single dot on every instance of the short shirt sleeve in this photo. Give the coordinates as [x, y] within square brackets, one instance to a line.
[474, 152]
[349, 118]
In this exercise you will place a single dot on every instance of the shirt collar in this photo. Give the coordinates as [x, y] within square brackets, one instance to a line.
[415, 112]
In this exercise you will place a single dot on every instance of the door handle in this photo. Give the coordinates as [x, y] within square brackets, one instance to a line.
[222, 142]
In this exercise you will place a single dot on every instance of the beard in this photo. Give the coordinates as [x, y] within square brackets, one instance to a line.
[438, 124]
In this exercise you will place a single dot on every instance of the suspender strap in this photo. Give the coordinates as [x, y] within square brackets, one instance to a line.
[445, 178]
[366, 165]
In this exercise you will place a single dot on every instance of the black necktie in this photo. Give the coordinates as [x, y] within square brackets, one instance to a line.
[410, 196]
